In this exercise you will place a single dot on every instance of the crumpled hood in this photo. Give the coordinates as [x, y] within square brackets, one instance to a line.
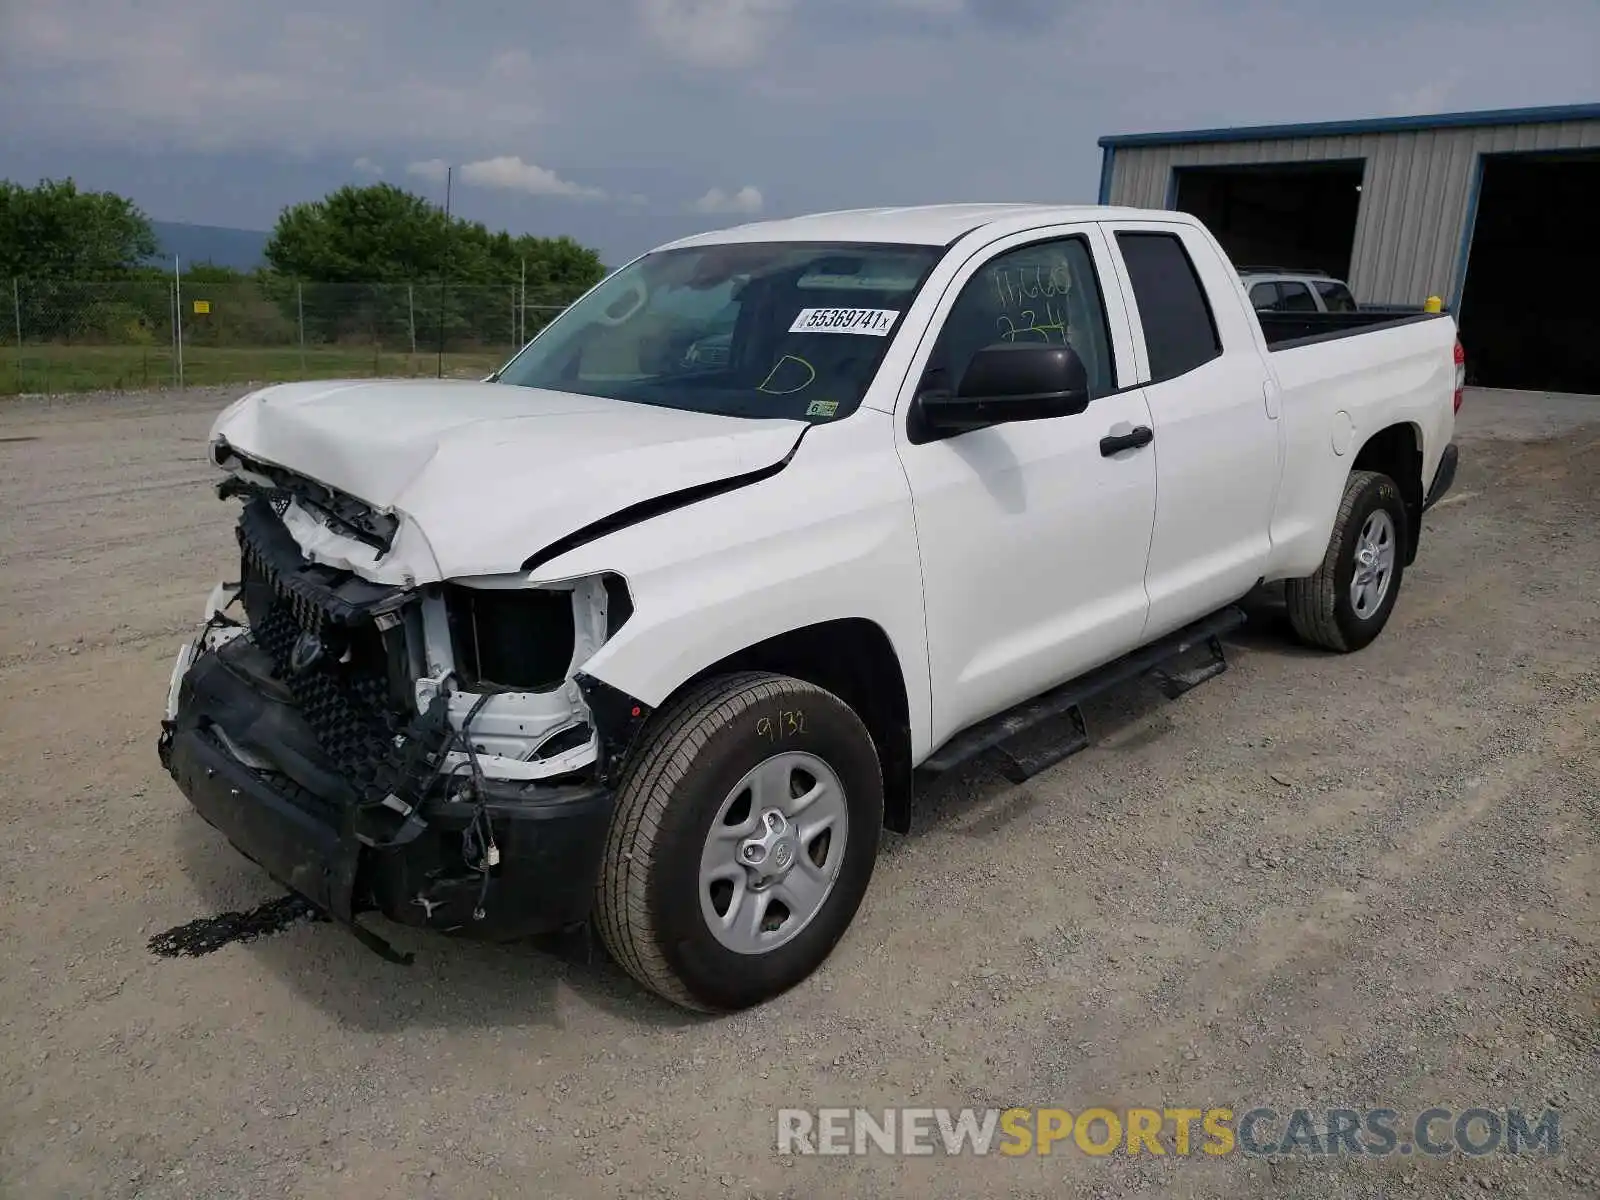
[491, 473]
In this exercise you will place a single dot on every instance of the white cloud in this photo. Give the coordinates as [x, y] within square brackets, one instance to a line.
[366, 166]
[228, 77]
[747, 199]
[434, 170]
[511, 173]
[714, 33]
[507, 172]
[511, 66]
[1430, 97]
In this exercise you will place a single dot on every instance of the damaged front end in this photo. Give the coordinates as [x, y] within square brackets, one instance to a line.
[431, 753]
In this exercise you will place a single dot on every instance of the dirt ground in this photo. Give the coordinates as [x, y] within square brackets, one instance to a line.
[1366, 880]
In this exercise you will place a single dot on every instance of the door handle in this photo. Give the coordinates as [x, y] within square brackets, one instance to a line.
[1115, 443]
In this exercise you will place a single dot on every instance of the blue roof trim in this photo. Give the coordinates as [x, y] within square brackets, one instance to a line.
[1107, 153]
[1250, 133]
[1464, 250]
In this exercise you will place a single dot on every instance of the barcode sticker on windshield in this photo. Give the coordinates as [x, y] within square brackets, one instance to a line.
[874, 322]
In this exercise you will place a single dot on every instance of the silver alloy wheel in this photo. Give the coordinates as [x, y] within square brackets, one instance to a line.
[773, 852]
[1375, 554]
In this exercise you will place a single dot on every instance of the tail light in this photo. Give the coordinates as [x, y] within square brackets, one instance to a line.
[1461, 374]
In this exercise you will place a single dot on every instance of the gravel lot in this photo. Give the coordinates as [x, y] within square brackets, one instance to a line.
[1315, 881]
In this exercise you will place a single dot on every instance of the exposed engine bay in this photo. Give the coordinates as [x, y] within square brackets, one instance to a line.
[359, 656]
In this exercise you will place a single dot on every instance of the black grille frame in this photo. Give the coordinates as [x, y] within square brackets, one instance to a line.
[352, 696]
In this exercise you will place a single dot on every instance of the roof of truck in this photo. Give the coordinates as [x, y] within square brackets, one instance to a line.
[923, 225]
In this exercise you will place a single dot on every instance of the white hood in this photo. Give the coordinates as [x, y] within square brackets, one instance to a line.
[491, 473]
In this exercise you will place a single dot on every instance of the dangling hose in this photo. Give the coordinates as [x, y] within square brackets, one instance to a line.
[480, 831]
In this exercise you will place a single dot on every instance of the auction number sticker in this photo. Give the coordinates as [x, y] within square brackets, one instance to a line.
[874, 322]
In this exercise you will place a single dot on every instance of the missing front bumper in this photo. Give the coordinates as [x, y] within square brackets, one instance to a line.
[347, 861]
[311, 721]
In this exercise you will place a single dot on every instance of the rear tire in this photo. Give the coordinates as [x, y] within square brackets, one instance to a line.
[1347, 602]
[694, 804]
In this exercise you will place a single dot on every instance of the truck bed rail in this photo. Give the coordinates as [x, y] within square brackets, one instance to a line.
[1284, 331]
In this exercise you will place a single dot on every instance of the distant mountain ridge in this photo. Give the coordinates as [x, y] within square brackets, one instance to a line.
[241, 249]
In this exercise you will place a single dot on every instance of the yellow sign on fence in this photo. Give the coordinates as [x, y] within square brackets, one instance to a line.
[202, 306]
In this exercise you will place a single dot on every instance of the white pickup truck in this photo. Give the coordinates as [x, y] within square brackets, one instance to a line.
[653, 630]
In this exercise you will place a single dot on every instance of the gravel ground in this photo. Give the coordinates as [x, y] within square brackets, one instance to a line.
[1315, 881]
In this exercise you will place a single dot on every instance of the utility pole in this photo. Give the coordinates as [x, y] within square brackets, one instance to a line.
[177, 325]
[444, 272]
[172, 312]
[16, 311]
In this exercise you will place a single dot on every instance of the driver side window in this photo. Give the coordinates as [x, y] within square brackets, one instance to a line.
[1046, 293]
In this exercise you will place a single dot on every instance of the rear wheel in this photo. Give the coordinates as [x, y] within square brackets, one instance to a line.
[745, 834]
[1347, 602]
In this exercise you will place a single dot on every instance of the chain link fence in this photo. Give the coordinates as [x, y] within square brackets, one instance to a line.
[66, 336]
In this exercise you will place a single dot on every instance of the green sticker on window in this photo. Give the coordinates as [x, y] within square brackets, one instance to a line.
[822, 408]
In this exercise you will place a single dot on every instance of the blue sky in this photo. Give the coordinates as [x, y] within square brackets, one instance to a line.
[627, 122]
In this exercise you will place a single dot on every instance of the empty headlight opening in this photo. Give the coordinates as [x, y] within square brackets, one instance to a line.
[531, 639]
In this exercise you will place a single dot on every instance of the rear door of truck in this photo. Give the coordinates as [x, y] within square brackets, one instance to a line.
[1214, 415]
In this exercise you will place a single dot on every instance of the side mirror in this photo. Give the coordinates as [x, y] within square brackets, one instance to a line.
[1009, 382]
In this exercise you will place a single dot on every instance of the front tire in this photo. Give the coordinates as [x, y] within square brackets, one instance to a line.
[744, 837]
[1347, 602]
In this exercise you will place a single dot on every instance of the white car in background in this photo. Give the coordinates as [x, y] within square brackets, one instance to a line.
[1274, 289]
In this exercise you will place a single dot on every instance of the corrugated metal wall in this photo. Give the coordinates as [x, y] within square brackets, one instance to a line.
[1414, 197]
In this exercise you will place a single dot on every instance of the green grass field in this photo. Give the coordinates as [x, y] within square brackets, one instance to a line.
[54, 369]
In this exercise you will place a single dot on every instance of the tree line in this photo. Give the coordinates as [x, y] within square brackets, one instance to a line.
[361, 263]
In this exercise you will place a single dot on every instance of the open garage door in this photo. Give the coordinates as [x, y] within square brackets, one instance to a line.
[1529, 312]
[1293, 216]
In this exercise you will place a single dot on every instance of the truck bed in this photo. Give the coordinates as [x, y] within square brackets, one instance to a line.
[1286, 330]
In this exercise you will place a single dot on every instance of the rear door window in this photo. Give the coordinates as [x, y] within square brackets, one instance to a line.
[1295, 297]
[1179, 331]
[1336, 297]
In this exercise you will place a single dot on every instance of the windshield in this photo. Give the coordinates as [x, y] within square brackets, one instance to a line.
[759, 329]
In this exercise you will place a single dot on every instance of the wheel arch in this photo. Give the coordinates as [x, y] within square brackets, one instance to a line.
[853, 658]
[1396, 451]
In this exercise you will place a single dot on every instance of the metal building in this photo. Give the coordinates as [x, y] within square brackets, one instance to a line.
[1492, 211]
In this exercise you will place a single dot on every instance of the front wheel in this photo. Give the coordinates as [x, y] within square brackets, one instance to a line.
[1347, 602]
[745, 833]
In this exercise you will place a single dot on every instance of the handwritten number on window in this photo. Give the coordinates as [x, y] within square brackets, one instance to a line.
[1034, 325]
[1042, 291]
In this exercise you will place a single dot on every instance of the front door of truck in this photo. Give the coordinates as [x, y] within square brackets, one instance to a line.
[1033, 537]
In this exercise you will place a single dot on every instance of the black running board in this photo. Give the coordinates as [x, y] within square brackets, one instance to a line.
[1160, 660]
